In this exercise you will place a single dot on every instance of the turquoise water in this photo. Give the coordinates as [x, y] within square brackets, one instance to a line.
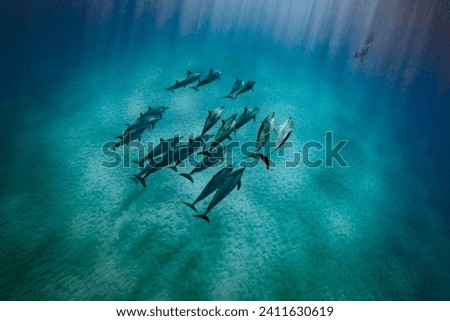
[74, 230]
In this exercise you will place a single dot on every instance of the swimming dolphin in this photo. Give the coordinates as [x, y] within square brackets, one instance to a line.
[231, 181]
[154, 166]
[212, 76]
[228, 126]
[246, 87]
[264, 131]
[189, 79]
[283, 133]
[128, 137]
[213, 156]
[173, 156]
[238, 85]
[213, 184]
[159, 150]
[362, 53]
[143, 122]
[213, 117]
[246, 116]
[155, 111]
[184, 151]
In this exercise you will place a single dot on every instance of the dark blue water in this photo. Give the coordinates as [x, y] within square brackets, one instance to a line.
[75, 72]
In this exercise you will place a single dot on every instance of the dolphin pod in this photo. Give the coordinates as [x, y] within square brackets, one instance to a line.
[173, 152]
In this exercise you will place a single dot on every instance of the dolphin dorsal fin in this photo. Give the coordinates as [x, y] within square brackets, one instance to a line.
[210, 71]
[161, 140]
[150, 108]
[141, 115]
[223, 122]
[245, 110]
[176, 81]
[209, 112]
[189, 72]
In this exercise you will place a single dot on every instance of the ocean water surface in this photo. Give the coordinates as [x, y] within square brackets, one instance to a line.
[76, 72]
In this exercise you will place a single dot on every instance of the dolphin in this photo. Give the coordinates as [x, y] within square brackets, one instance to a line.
[265, 129]
[154, 166]
[231, 181]
[246, 116]
[246, 87]
[184, 151]
[212, 157]
[213, 184]
[238, 85]
[228, 126]
[160, 149]
[128, 137]
[143, 122]
[213, 117]
[212, 76]
[283, 133]
[362, 53]
[155, 111]
[189, 79]
[174, 155]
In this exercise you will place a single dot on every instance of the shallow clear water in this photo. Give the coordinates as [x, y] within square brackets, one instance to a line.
[74, 230]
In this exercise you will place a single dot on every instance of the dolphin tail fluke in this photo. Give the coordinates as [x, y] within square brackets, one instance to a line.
[203, 217]
[140, 180]
[190, 205]
[195, 88]
[188, 176]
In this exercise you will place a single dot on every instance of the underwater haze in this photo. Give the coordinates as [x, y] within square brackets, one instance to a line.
[75, 72]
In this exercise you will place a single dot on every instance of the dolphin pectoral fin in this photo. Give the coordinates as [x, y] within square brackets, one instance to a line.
[174, 168]
[229, 137]
[140, 180]
[276, 132]
[189, 177]
[170, 89]
[194, 87]
[190, 205]
[203, 217]
[239, 185]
